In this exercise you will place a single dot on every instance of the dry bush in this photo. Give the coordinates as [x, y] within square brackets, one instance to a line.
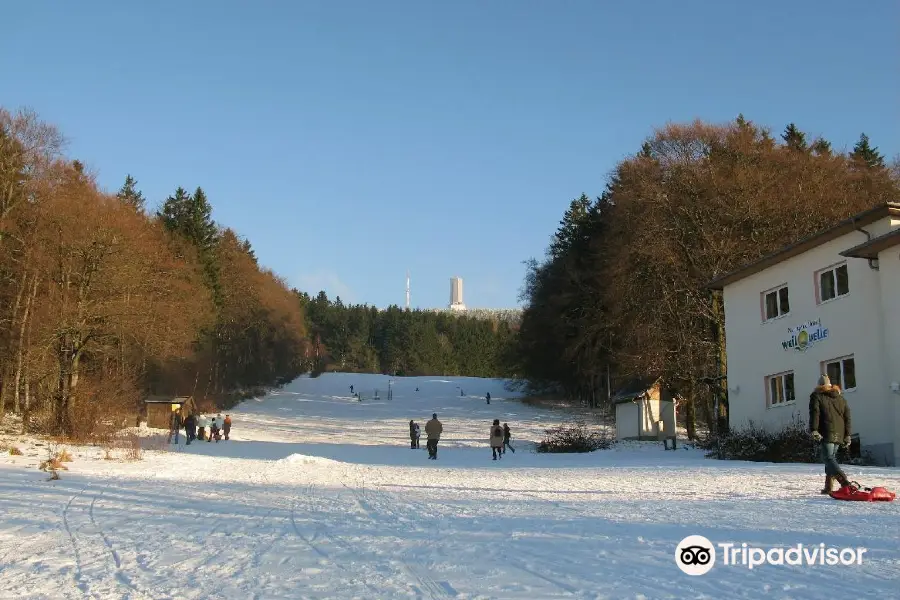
[125, 445]
[575, 437]
[64, 456]
[134, 449]
[13, 451]
[52, 464]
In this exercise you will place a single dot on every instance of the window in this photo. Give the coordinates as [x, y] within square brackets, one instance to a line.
[842, 372]
[776, 303]
[833, 283]
[780, 389]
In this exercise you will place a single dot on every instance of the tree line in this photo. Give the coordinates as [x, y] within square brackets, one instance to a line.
[361, 338]
[103, 302]
[622, 291]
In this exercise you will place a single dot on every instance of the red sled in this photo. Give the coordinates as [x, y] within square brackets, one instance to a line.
[855, 492]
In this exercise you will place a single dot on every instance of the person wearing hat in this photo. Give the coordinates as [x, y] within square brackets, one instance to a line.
[829, 424]
[433, 430]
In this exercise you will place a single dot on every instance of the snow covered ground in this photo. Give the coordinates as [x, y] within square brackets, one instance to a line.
[319, 496]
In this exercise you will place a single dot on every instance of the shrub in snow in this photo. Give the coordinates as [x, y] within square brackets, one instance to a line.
[574, 437]
[792, 444]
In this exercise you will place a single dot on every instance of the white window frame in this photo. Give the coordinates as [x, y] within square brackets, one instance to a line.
[820, 299]
[782, 379]
[777, 291]
[842, 361]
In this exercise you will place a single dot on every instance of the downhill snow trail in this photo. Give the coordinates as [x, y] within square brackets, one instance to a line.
[319, 496]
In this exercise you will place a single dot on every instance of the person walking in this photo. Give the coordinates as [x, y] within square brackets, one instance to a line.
[226, 426]
[829, 424]
[488, 396]
[190, 428]
[214, 428]
[202, 426]
[506, 435]
[496, 438]
[412, 434]
[175, 425]
[433, 430]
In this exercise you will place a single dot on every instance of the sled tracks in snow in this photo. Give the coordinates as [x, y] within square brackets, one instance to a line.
[385, 511]
[98, 571]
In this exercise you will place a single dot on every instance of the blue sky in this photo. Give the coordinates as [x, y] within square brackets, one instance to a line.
[353, 140]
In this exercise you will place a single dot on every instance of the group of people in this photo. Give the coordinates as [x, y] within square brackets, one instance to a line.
[499, 437]
[196, 426]
[433, 431]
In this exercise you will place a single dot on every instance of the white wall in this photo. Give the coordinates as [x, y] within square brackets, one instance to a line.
[889, 269]
[629, 414]
[855, 325]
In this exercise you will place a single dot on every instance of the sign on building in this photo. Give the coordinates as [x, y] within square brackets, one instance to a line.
[805, 335]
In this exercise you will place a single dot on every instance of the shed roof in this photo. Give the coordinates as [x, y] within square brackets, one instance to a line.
[166, 399]
[634, 388]
[844, 227]
[871, 248]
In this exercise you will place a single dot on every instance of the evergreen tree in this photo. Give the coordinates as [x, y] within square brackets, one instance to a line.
[822, 147]
[190, 215]
[794, 138]
[130, 195]
[865, 154]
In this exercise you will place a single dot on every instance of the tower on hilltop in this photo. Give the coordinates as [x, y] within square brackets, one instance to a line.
[407, 289]
[456, 294]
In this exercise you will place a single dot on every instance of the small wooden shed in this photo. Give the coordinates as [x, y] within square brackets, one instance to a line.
[160, 408]
[644, 411]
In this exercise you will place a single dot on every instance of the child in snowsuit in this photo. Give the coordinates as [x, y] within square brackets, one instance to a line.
[226, 426]
[506, 435]
[214, 430]
[202, 424]
[412, 434]
[497, 439]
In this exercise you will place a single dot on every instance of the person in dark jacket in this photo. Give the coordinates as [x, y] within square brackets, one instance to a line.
[829, 423]
[190, 428]
[506, 435]
[412, 434]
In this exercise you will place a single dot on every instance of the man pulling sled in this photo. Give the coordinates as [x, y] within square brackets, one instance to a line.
[829, 423]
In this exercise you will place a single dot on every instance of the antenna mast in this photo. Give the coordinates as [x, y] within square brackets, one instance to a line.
[407, 289]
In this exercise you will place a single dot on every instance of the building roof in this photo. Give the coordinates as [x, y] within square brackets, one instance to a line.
[871, 248]
[817, 239]
[634, 388]
[166, 399]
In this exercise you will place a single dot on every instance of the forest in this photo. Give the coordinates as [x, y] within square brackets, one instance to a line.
[103, 301]
[360, 338]
[622, 290]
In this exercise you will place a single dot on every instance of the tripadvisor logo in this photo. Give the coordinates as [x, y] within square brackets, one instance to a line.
[805, 335]
[696, 555]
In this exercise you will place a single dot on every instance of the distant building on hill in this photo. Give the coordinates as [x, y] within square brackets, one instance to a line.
[456, 294]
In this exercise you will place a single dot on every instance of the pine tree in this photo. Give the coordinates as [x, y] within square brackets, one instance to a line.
[130, 195]
[190, 216]
[822, 147]
[794, 138]
[864, 153]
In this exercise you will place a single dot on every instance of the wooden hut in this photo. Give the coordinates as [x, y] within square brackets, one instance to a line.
[159, 409]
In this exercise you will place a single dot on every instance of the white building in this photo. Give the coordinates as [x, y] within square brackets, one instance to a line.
[644, 411]
[456, 294]
[827, 304]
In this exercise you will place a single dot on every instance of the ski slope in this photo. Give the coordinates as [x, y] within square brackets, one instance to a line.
[319, 496]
